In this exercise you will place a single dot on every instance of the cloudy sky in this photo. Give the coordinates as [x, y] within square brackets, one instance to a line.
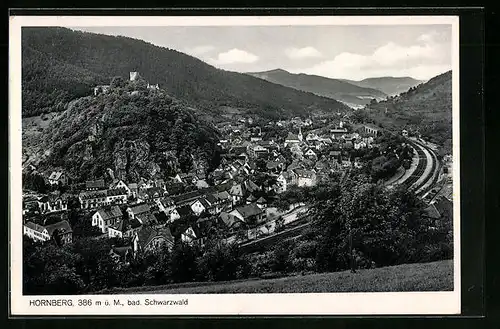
[348, 52]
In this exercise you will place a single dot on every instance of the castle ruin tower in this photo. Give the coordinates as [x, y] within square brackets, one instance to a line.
[134, 76]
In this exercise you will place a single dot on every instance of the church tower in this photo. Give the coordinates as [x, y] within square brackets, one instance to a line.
[300, 134]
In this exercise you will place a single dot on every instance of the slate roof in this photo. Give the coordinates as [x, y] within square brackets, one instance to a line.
[184, 211]
[63, 226]
[95, 184]
[187, 197]
[146, 218]
[93, 194]
[249, 210]
[35, 227]
[229, 220]
[122, 225]
[204, 203]
[115, 192]
[140, 208]
[261, 200]
[110, 212]
[145, 235]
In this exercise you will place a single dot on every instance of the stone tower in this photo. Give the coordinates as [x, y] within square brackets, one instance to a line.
[134, 76]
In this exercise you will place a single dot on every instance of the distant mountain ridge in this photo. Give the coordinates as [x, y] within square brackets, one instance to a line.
[426, 109]
[348, 93]
[389, 85]
[55, 60]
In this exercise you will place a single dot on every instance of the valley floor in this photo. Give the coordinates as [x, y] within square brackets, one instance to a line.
[435, 276]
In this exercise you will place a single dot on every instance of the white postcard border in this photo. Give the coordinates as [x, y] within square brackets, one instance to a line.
[402, 303]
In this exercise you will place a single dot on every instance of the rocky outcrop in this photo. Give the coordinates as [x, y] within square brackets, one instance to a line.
[133, 159]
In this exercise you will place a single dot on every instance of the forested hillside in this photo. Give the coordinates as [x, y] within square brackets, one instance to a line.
[333, 88]
[426, 109]
[133, 131]
[60, 64]
[390, 85]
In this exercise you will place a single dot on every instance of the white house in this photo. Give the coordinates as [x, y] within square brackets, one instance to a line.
[50, 204]
[310, 154]
[188, 235]
[119, 184]
[173, 215]
[36, 232]
[57, 177]
[106, 216]
[305, 177]
[280, 184]
[359, 144]
[197, 207]
[165, 204]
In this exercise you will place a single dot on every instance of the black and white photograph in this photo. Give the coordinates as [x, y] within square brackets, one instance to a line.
[191, 165]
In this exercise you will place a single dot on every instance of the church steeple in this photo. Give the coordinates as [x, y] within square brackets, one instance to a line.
[300, 134]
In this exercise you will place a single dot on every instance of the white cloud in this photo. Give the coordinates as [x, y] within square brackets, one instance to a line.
[300, 53]
[199, 50]
[421, 61]
[234, 56]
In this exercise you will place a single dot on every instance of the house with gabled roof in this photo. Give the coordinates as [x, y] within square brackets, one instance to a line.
[106, 216]
[281, 183]
[199, 206]
[150, 194]
[138, 209]
[58, 177]
[134, 189]
[41, 233]
[165, 204]
[231, 222]
[310, 154]
[249, 213]
[291, 139]
[261, 203]
[62, 230]
[35, 232]
[124, 228]
[305, 178]
[148, 239]
[188, 236]
[52, 203]
[95, 185]
[119, 184]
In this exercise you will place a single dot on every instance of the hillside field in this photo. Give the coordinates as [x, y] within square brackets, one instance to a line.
[435, 276]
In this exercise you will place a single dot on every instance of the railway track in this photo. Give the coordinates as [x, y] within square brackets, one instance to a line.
[419, 171]
[412, 182]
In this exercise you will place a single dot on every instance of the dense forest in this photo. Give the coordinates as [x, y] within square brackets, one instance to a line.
[58, 56]
[132, 130]
[425, 109]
